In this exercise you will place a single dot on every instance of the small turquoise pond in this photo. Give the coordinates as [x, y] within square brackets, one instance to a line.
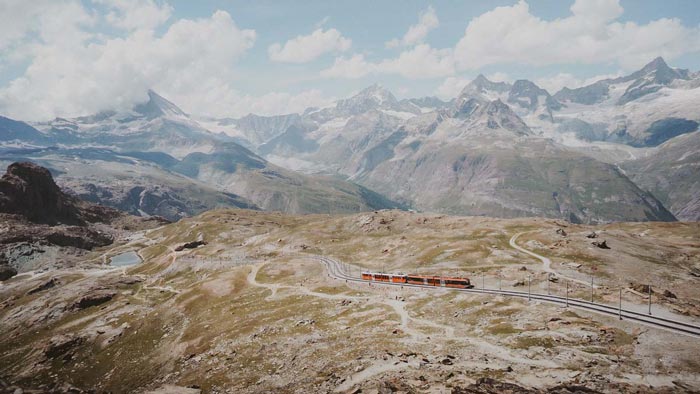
[124, 259]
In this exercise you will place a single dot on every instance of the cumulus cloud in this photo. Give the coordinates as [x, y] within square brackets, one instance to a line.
[353, 67]
[193, 60]
[48, 21]
[591, 34]
[304, 49]
[136, 14]
[451, 87]
[427, 21]
[421, 61]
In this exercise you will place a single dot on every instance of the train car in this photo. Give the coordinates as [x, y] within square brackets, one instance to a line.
[416, 279]
[400, 278]
[382, 277]
[459, 283]
[423, 280]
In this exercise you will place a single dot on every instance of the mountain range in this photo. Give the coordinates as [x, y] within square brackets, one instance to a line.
[621, 149]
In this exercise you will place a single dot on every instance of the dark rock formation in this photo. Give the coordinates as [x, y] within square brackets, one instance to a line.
[29, 190]
[601, 244]
[7, 272]
[62, 346]
[493, 386]
[44, 286]
[35, 215]
[640, 288]
[669, 294]
[190, 245]
[95, 298]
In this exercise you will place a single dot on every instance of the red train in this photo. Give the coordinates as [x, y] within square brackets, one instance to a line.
[426, 280]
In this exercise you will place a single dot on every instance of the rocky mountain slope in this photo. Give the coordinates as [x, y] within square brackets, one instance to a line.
[156, 160]
[672, 172]
[503, 149]
[645, 108]
[37, 216]
[499, 149]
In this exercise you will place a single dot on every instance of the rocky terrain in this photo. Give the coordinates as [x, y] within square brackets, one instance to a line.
[672, 172]
[156, 160]
[40, 223]
[507, 149]
[612, 151]
[237, 301]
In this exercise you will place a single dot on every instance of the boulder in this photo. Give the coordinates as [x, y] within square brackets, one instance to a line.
[669, 294]
[601, 244]
[44, 286]
[190, 245]
[62, 346]
[7, 272]
[640, 288]
[95, 298]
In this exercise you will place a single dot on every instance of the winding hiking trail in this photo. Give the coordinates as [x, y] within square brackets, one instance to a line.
[408, 324]
[546, 262]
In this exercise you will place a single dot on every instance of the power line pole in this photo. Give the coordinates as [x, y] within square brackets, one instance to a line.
[591, 287]
[549, 276]
[528, 287]
[567, 293]
[649, 298]
[620, 308]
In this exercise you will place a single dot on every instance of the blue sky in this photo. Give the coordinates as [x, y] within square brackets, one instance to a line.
[228, 58]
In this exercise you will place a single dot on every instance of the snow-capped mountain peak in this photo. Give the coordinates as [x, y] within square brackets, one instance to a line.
[482, 87]
[157, 106]
[372, 97]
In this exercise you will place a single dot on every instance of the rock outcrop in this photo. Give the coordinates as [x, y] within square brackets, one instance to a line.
[36, 216]
[29, 190]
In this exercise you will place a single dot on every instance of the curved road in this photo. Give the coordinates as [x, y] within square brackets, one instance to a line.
[336, 270]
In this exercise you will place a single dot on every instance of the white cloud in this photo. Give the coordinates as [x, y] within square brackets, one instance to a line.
[554, 83]
[303, 49]
[351, 68]
[192, 63]
[421, 61]
[46, 19]
[427, 21]
[43, 20]
[591, 34]
[136, 14]
[451, 87]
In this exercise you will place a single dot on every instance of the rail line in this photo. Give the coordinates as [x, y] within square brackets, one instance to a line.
[336, 271]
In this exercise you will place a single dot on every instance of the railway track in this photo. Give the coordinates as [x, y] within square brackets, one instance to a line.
[336, 270]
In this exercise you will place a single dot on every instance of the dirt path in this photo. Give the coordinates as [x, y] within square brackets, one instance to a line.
[546, 262]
